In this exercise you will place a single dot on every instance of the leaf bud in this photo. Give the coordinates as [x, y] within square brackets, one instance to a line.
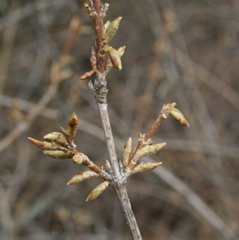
[112, 29]
[114, 57]
[51, 137]
[106, 7]
[79, 158]
[145, 167]
[43, 145]
[179, 117]
[80, 177]
[121, 51]
[98, 190]
[58, 154]
[107, 165]
[87, 7]
[87, 75]
[106, 25]
[72, 125]
[149, 150]
[127, 152]
[57, 137]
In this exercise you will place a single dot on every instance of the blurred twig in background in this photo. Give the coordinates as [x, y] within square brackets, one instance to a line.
[188, 50]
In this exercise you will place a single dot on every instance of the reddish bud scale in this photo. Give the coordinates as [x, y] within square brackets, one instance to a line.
[97, 191]
[80, 177]
[72, 125]
[73, 120]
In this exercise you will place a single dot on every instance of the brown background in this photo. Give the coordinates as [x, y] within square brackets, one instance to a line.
[177, 51]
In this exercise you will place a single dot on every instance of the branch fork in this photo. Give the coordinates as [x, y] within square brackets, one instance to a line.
[115, 173]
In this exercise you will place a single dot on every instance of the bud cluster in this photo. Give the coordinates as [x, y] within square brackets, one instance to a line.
[61, 146]
[109, 29]
[58, 145]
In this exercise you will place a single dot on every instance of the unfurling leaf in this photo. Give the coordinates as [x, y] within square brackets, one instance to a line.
[127, 152]
[112, 29]
[43, 145]
[179, 117]
[80, 177]
[98, 190]
[149, 150]
[114, 56]
[87, 75]
[58, 154]
[144, 167]
[79, 158]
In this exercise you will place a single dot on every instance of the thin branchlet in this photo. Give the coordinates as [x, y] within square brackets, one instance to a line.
[62, 145]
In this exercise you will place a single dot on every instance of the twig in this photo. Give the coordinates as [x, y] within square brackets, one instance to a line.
[100, 89]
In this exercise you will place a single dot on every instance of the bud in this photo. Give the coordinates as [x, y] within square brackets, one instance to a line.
[87, 7]
[107, 165]
[149, 150]
[87, 75]
[114, 57]
[57, 137]
[179, 117]
[121, 51]
[98, 190]
[73, 120]
[106, 25]
[127, 152]
[145, 167]
[79, 158]
[58, 154]
[72, 125]
[43, 145]
[80, 177]
[112, 29]
[51, 137]
[106, 7]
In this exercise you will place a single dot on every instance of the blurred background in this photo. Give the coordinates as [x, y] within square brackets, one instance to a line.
[183, 51]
